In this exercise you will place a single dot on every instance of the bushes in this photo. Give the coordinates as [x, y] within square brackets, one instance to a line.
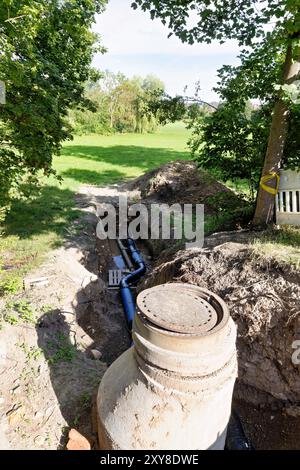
[88, 122]
[232, 141]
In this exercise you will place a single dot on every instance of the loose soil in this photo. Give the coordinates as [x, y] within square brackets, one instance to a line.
[179, 182]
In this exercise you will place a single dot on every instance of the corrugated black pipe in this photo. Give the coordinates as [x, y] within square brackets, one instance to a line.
[128, 300]
[123, 251]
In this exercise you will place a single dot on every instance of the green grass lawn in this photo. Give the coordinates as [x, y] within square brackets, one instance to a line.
[282, 245]
[42, 222]
[104, 160]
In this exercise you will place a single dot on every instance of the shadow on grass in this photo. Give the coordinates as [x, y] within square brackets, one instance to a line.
[126, 155]
[94, 177]
[50, 211]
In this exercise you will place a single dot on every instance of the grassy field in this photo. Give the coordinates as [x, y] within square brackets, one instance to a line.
[107, 159]
[42, 222]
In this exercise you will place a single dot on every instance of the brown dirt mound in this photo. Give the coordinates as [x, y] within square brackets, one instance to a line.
[264, 300]
[179, 182]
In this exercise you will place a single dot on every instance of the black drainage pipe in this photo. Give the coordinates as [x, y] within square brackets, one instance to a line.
[128, 300]
[123, 251]
[236, 438]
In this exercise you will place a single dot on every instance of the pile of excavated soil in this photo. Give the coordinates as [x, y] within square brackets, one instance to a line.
[179, 182]
[264, 301]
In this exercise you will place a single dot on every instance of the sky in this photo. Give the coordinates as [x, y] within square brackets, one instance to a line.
[139, 46]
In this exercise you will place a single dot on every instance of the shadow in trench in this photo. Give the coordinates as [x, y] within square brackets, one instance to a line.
[99, 311]
[74, 375]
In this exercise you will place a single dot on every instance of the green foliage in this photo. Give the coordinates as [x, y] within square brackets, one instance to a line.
[119, 104]
[290, 92]
[227, 220]
[19, 311]
[165, 108]
[33, 226]
[233, 211]
[46, 50]
[226, 201]
[260, 69]
[89, 122]
[291, 158]
[60, 350]
[9, 284]
[46, 219]
[233, 140]
[31, 352]
[204, 21]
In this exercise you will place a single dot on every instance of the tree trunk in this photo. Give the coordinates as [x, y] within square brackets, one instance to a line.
[265, 202]
[111, 112]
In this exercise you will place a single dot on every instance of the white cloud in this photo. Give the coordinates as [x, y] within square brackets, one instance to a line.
[128, 31]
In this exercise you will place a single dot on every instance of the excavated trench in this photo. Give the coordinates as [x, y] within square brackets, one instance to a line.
[263, 297]
[264, 301]
[105, 320]
[269, 422]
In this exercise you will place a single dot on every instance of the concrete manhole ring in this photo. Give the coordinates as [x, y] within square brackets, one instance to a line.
[178, 308]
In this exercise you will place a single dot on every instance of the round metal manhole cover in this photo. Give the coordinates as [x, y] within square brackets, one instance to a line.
[179, 308]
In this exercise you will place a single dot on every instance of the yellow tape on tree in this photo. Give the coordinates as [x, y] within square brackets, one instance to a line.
[265, 179]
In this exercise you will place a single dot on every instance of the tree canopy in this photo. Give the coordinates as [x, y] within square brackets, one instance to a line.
[121, 104]
[234, 139]
[46, 48]
[206, 20]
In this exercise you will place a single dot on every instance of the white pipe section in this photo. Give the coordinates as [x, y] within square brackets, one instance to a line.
[173, 389]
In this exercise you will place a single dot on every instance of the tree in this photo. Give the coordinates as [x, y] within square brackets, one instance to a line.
[246, 22]
[110, 85]
[164, 107]
[231, 142]
[277, 139]
[119, 104]
[135, 98]
[152, 83]
[233, 139]
[46, 48]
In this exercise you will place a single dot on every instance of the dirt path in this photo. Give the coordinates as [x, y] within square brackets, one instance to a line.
[47, 358]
